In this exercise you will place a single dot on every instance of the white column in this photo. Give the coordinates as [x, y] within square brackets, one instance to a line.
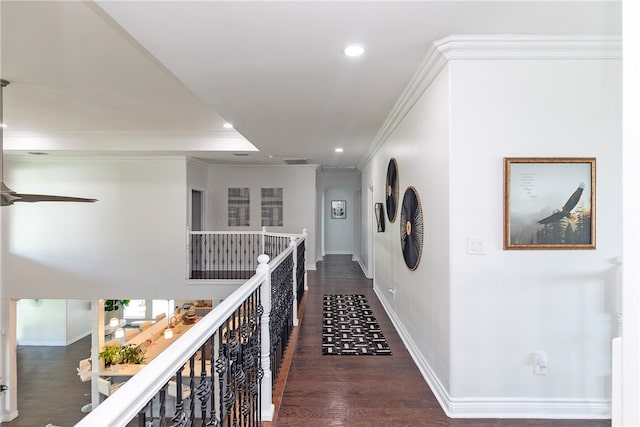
[97, 342]
[263, 236]
[630, 375]
[9, 367]
[266, 393]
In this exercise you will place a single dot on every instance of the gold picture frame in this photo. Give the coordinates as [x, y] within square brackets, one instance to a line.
[549, 203]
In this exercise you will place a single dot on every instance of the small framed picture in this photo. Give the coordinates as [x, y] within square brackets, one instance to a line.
[549, 203]
[379, 211]
[338, 209]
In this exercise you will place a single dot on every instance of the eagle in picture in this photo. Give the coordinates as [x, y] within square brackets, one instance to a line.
[565, 212]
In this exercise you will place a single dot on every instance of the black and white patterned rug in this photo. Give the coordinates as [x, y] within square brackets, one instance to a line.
[350, 328]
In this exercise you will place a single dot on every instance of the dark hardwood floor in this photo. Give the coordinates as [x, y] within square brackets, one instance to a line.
[358, 391]
[363, 391]
[49, 388]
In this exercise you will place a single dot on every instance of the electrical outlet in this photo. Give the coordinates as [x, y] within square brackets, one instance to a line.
[540, 363]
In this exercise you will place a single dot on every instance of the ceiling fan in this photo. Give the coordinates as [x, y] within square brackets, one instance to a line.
[7, 195]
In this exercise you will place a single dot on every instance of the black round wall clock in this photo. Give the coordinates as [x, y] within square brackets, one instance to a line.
[411, 228]
[391, 190]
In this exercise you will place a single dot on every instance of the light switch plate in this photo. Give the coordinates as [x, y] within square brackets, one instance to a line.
[476, 246]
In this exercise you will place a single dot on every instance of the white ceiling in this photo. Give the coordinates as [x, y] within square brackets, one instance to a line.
[163, 76]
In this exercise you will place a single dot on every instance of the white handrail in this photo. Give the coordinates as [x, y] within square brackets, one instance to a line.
[120, 408]
[133, 396]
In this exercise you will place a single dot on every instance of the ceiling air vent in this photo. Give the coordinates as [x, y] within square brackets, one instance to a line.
[296, 161]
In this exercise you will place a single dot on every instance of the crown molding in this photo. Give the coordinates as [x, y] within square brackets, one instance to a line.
[490, 47]
[518, 47]
[427, 72]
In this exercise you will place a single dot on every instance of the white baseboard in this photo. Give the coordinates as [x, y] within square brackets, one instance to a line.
[60, 343]
[9, 416]
[430, 377]
[339, 252]
[496, 407]
[530, 408]
[364, 269]
[78, 338]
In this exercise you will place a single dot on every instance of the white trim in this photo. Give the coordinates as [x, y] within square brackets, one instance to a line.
[580, 409]
[57, 343]
[501, 46]
[10, 416]
[495, 407]
[78, 337]
[427, 72]
[518, 47]
[339, 252]
[363, 268]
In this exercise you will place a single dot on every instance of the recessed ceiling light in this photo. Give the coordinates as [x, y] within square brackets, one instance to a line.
[354, 50]
[228, 126]
[339, 150]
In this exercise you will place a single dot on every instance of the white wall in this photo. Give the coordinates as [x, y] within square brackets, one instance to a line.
[299, 198]
[339, 236]
[473, 321]
[421, 305]
[42, 322]
[129, 244]
[52, 322]
[560, 302]
[338, 232]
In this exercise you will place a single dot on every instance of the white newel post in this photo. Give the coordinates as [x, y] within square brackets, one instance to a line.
[306, 283]
[266, 393]
[294, 306]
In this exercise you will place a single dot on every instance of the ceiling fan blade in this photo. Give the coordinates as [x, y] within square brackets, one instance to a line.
[7, 195]
[32, 198]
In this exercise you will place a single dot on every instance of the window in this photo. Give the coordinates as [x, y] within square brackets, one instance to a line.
[272, 207]
[137, 309]
[239, 207]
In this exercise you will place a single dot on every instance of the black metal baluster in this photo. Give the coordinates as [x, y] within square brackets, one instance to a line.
[180, 417]
[203, 386]
[192, 388]
[162, 412]
[213, 419]
[142, 417]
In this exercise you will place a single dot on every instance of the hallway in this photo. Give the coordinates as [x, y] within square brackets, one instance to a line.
[365, 391]
[321, 391]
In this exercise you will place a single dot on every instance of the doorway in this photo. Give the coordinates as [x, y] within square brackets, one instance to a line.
[197, 210]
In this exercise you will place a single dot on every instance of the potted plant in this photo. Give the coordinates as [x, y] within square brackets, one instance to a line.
[132, 354]
[111, 354]
[115, 354]
[115, 304]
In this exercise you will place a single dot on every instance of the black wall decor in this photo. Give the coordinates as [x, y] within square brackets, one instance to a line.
[391, 190]
[411, 228]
